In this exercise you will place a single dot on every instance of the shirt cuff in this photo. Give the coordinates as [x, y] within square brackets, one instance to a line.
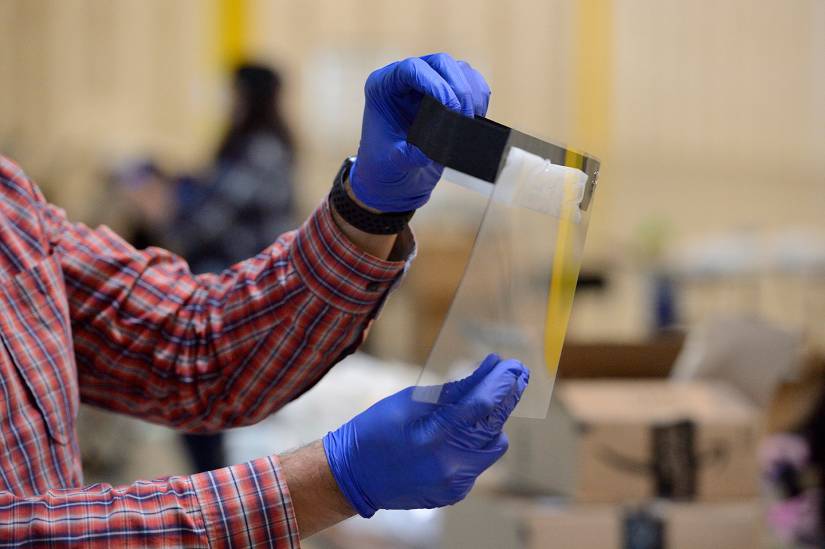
[247, 505]
[342, 275]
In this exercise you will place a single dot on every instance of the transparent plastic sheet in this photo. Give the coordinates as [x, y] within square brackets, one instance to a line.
[517, 290]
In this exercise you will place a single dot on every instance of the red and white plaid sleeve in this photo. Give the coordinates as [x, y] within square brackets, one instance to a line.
[153, 341]
[244, 505]
[202, 353]
[209, 352]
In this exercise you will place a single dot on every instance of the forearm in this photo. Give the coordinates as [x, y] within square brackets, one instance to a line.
[205, 353]
[316, 498]
[242, 505]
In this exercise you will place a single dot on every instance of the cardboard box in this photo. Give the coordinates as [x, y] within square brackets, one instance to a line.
[619, 441]
[653, 358]
[487, 521]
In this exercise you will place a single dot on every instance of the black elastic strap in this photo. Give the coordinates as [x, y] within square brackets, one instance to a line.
[474, 146]
[360, 218]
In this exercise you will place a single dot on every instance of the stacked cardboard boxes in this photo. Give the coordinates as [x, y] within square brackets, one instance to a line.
[487, 521]
[646, 464]
[618, 441]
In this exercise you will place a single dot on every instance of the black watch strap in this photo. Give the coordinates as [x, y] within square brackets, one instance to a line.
[360, 217]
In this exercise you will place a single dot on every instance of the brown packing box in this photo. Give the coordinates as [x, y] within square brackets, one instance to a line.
[653, 358]
[619, 441]
[488, 521]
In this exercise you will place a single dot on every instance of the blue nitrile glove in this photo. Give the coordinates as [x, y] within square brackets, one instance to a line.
[389, 174]
[405, 454]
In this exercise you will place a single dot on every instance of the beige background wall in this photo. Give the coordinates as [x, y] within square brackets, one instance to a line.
[716, 109]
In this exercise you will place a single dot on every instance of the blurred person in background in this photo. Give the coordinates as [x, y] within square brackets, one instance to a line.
[230, 212]
[86, 316]
[245, 197]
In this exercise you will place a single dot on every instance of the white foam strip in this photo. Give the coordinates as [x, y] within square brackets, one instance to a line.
[529, 181]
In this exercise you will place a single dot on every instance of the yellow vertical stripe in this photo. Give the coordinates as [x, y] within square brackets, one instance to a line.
[233, 31]
[590, 123]
[592, 74]
[564, 275]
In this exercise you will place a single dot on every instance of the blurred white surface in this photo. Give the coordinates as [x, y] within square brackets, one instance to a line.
[348, 389]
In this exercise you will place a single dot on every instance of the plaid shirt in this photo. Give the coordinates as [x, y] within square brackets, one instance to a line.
[84, 316]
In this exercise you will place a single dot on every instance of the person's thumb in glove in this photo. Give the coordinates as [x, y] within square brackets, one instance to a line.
[405, 454]
[493, 392]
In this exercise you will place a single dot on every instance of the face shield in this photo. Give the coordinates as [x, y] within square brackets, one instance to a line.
[517, 289]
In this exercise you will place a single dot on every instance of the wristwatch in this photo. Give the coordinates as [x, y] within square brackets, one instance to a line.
[360, 217]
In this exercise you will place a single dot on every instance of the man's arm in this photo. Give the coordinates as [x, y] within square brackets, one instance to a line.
[206, 352]
[317, 501]
[214, 351]
[405, 454]
[399, 454]
[240, 506]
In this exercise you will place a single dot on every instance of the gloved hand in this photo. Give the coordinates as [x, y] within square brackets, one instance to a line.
[389, 174]
[405, 454]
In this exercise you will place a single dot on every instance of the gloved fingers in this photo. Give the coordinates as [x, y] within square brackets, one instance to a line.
[479, 88]
[482, 459]
[500, 390]
[488, 394]
[496, 420]
[448, 68]
[496, 448]
[500, 444]
[479, 434]
[454, 390]
[414, 74]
